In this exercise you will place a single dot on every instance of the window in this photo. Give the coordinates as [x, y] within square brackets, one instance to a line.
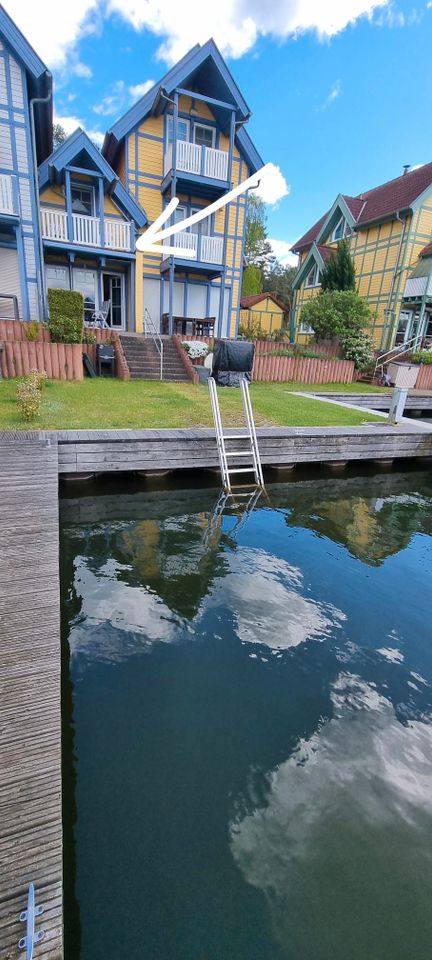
[341, 230]
[83, 200]
[182, 128]
[57, 277]
[203, 226]
[313, 277]
[305, 328]
[203, 135]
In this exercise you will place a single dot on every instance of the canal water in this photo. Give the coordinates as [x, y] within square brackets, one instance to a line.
[248, 722]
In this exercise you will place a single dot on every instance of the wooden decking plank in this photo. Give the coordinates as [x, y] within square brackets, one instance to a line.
[30, 720]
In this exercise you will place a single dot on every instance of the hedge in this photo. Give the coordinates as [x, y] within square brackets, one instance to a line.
[66, 315]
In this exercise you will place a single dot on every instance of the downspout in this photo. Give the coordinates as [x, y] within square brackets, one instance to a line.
[42, 291]
[393, 280]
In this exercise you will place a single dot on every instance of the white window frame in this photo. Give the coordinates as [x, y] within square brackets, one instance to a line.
[316, 277]
[88, 189]
[345, 230]
[305, 328]
[205, 126]
[199, 227]
[170, 127]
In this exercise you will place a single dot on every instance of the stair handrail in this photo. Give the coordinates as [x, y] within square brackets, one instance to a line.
[150, 330]
[398, 351]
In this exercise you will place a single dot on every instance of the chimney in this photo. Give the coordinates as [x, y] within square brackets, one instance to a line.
[406, 167]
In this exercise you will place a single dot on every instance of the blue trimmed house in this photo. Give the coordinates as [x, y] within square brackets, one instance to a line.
[25, 141]
[70, 218]
[89, 223]
[186, 137]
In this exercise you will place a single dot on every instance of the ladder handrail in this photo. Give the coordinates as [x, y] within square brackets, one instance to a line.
[28, 917]
[398, 351]
[156, 337]
[223, 454]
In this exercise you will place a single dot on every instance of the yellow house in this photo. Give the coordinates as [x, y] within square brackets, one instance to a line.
[389, 229]
[186, 137]
[263, 312]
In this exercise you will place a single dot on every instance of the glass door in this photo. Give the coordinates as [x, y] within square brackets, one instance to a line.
[85, 282]
[113, 290]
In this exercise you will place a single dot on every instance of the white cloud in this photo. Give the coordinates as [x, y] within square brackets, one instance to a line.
[113, 102]
[140, 89]
[180, 25]
[81, 70]
[273, 185]
[282, 250]
[70, 123]
[334, 94]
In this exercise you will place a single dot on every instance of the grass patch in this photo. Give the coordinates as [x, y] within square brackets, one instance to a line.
[105, 403]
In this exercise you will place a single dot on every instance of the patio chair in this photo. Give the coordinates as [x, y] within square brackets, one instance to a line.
[99, 317]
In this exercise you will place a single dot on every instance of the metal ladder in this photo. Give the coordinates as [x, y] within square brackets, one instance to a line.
[223, 439]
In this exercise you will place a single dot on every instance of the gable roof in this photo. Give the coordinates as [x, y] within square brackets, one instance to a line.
[247, 302]
[319, 254]
[427, 251]
[204, 68]
[79, 149]
[39, 80]
[379, 203]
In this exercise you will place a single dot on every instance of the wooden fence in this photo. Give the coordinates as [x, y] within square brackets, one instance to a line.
[60, 361]
[424, 379]
[270, 367]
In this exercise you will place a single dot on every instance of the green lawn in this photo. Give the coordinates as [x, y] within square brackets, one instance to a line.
[99, 404]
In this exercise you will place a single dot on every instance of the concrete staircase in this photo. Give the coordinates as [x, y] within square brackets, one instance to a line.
[143, 359]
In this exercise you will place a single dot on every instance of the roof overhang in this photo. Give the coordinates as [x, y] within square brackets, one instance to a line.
[313, 256]
[338, 209]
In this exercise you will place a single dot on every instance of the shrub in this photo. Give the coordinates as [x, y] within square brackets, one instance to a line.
[66, 311]
[195, 349]
[29, 400]
[37, 378]
[421, 356]
[31, 331]
[89, 337]
[335, 313]
[358, 347]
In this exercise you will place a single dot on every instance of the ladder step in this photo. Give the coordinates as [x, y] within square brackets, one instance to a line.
[238, 453]
[242, 470]
[237, 436]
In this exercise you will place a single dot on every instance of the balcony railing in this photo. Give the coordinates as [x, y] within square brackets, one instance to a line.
[418, 286]
[86, 231]
[203, 161]
[7, 204]
[207, 249]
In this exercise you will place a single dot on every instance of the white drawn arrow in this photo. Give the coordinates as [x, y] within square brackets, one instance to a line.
[149, 242]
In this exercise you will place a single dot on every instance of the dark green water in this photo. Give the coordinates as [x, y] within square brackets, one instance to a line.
[248, 723]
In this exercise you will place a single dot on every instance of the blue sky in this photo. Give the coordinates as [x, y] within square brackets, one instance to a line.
[340, 90]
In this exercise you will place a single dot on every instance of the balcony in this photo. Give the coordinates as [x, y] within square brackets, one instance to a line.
[192, 161]
[86, 231]
[7, 196]
[417, 287]
[206, 249]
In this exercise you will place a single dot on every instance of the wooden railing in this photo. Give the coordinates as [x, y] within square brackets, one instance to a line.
[207, 249]
[86, 231]
[6, 194]
[192, 158]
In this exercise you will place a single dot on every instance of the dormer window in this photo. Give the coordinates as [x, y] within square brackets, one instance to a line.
[341, 230]
[83, 201]
[313, 277]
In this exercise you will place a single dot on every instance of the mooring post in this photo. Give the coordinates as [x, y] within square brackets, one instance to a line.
[397, 405]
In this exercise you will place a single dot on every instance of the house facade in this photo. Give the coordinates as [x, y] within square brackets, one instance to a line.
[186, 137]
[69, 218]
[389, 229]
[262, 312]
[25, 141]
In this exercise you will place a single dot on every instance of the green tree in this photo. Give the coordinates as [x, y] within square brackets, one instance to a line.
[279, 280]
[335, 312]
[59, 135]
[339, 272]
[252, 281]
[256, 229]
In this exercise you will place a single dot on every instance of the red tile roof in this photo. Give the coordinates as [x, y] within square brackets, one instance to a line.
[326, 252]
[427, 251]
[380, 202]
[247, 302]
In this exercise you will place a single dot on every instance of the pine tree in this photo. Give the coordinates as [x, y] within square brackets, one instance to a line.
[339, 272]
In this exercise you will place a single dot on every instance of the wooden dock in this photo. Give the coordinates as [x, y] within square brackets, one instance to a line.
[30, 721]
[108, 451]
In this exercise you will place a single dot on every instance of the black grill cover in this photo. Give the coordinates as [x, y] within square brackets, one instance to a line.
[232, 362]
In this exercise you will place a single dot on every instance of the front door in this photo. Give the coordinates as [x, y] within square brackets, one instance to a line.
[113, 290]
